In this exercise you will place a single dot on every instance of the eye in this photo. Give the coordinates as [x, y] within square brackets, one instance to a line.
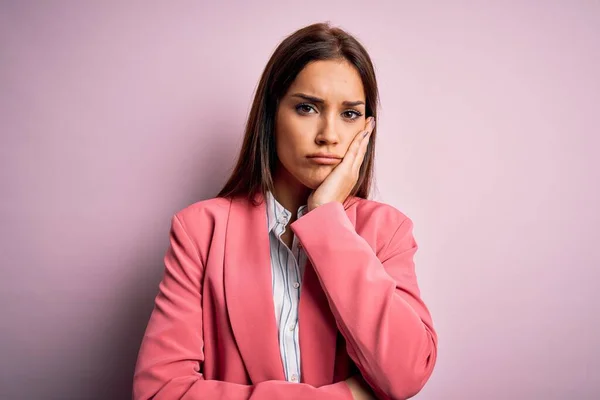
[352, 114]
[304, 108]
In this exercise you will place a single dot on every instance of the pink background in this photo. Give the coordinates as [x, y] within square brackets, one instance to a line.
[114, 116]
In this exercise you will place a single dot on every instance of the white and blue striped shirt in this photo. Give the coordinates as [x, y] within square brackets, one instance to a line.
[287, 268]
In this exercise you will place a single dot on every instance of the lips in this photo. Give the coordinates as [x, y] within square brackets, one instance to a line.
[324, 160]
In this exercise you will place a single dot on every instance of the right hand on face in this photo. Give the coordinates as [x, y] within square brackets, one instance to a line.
[342, 179]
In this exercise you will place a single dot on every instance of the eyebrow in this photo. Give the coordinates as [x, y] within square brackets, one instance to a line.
[318, 100]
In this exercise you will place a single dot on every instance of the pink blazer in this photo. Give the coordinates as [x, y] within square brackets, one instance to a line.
[212, 333]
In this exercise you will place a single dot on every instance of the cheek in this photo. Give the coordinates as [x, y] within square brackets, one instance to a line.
[292, 139]
[290, 150]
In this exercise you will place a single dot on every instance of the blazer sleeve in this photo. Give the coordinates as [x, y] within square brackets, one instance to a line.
[170, 358]
[374, 298]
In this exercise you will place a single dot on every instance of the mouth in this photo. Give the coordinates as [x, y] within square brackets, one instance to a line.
[323, 160]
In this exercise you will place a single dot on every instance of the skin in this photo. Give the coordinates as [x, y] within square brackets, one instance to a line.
[303, 127]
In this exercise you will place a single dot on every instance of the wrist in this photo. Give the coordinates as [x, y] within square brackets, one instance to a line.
[312, 206]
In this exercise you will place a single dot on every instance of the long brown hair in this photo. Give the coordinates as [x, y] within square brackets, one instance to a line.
[257, 160]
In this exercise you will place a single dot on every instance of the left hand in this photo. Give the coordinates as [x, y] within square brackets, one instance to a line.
[359, 388]
[340, 182]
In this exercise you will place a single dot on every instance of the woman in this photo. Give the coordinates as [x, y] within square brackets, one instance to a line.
[290, 284]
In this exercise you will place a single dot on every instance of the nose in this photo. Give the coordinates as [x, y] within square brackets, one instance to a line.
[327, 133]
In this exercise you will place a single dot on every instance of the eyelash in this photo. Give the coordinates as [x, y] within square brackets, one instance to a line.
[299, 106]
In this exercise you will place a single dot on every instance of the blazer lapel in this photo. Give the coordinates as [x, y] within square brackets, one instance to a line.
[248, 290]
[249, 299]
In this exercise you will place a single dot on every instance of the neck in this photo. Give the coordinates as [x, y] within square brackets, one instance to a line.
[288, 191]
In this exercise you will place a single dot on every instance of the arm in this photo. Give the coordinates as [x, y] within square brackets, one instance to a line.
[374, 298]
[171, 355]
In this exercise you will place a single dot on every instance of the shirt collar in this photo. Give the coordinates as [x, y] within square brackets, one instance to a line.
[278, 214]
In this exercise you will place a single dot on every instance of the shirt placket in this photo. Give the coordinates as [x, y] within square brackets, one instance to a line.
[289, 333]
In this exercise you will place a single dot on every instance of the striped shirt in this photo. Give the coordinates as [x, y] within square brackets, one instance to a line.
[287, 268]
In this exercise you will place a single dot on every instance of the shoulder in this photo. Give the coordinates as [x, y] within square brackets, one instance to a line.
[207, 211]
[383, 224]
[378, 213]
[200, 223]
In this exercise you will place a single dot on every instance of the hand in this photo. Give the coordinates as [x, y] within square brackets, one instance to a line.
[340, 182]
[359, 388]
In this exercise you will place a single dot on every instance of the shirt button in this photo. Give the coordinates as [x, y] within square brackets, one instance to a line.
[294, 378]
[292, 327]
[296, 285]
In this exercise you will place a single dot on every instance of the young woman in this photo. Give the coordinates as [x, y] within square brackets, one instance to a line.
[291, 284]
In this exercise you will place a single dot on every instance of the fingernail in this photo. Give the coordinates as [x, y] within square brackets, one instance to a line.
[372, 122]
[366, 133]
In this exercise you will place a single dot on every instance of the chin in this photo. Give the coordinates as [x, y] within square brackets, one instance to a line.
[312, 185]
[310, 178]
[313, 182]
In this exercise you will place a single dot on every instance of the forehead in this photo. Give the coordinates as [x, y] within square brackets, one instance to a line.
[331, 80]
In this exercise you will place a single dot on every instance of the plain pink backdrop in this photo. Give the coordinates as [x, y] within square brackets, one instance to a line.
[114, 116]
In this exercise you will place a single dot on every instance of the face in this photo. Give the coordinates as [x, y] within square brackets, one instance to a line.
[322, 112]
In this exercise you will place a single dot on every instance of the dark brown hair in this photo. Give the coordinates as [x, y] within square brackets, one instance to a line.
[258, 158]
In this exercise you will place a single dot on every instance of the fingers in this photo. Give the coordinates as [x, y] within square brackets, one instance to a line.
[361, 145]
[354, 148]
[369, 126]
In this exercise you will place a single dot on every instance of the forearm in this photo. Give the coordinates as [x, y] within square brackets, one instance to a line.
[374, 298]
[196, 388]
